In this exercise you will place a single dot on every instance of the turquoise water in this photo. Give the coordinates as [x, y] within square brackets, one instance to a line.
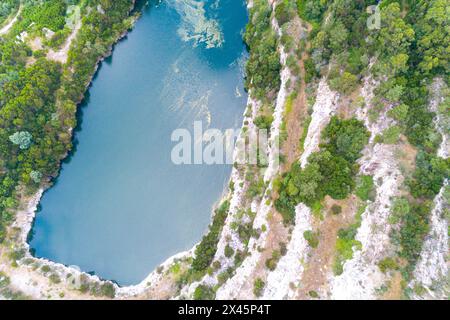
[120, 206]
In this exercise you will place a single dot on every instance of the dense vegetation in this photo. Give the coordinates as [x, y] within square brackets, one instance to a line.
[263, 66]
[7, 8]
[206, 249]
[330, 171]
[346, 242]
[42, 14]
[415, 60]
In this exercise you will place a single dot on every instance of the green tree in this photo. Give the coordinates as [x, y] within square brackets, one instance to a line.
[399, 112]
[22, 139]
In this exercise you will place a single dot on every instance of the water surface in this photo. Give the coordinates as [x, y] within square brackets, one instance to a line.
[120, 206]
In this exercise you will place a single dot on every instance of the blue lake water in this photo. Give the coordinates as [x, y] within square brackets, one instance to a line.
[120, 206]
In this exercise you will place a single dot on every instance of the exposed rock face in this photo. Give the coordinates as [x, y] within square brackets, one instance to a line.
[361, 274]
[281, 282]
[431, 271]
[432, 268]
[324, 107]
[439, 94]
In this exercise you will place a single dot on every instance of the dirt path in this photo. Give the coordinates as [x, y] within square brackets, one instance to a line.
[278, 234]
[295, 120]
[62, 54]
[6, 28]
[320, 263]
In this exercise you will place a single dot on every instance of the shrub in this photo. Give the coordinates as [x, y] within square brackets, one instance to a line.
[399, 112]
[344, 83]
[264, 121]
[389, 136]
[258, 287]
[203, 292]
[272, 262]
[312, 238]
[345, 138]
[346, 242]
[400, 208]
[429, 175]
[283, 248]
[365, 188]
[335, 209]
[228, 251]
[284, 12]
[45, 268]
[415, 227]
[387, 264]
[310, 70]
[54, 278]
[107, 290]
[205, 251]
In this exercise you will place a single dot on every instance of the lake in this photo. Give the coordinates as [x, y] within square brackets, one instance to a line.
[120, 206]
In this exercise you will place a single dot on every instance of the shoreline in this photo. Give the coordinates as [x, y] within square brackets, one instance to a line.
[24, 219]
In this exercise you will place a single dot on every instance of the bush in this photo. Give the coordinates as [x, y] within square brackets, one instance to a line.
[258, 287]
[264, 121]
[346, 242]
[335, 209]
[400, 208]
[337, 175]
[399, 112]
[310, 70]
[284, 12]
[54, 278]
[389, 136]
[415, 227]
[203, 292]
[107, 290]
[228, 251]
[365, 188]
[272, 262]
[387, 264]
[45, 268]
[312, 238]
[429, 175]
[344, 248]
[345, 138]
[344, 83]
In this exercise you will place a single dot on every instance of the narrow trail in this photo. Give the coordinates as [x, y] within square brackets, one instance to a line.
[295, 120]
[8, 27]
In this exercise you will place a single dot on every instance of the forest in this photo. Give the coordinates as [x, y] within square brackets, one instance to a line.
[38, 101]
